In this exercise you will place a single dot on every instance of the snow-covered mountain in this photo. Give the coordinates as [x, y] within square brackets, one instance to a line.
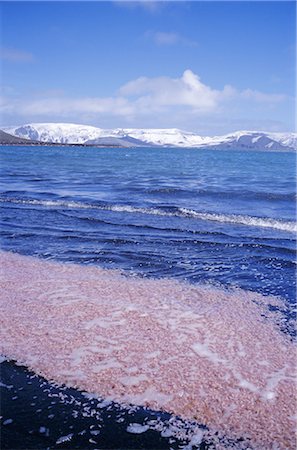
[66, 133]
[257, 140]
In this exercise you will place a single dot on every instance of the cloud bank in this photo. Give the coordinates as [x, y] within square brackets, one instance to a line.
[162, 38]
[144, 100]
[15, 55]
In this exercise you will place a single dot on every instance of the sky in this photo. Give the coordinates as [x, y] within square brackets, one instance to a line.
[204, 66]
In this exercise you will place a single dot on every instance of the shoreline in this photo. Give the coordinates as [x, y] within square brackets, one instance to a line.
[150, 146]
[54, 144]
[118, 334]
[39, 414]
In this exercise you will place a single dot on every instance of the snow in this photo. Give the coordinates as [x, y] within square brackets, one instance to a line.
[67, 133]
[58, 132]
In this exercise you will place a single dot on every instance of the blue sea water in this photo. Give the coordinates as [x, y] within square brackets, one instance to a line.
[222, 217]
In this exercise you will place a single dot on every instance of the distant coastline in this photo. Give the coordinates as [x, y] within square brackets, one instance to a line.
[10, 140]
[67, 134]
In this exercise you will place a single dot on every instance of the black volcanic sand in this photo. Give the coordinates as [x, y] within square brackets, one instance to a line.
[37, 414]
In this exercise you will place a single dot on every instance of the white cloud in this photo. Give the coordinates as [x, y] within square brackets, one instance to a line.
[187, 91]
[261, 97]
[168, 38]
[63, 106]
[145, 102]
[163, 38]
[15, 55]
[148, 5]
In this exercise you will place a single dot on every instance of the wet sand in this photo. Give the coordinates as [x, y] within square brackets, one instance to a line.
[38, 414]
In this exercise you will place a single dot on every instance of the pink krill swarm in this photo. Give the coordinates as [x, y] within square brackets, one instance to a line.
[202, 353]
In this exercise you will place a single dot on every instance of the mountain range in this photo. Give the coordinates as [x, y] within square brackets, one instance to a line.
[65, 133]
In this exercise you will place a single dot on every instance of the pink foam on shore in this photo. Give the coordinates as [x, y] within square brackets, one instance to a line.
[202, 353]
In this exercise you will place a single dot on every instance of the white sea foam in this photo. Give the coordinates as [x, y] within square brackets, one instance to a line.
[7, 422]
[137, 428]
[263, 222]
[63, 439]
[250, 221]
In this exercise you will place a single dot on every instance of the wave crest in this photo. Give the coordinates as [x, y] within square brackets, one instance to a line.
[251, 221]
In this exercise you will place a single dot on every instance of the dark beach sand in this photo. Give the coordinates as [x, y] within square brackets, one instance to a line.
[37, 414]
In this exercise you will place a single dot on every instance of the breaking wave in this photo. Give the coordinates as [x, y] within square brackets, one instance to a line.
[262, 222]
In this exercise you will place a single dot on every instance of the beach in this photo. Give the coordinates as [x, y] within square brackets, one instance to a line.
[213, 356]
[156, 284]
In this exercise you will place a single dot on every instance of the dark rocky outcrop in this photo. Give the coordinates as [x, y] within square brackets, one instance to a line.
[9, 139]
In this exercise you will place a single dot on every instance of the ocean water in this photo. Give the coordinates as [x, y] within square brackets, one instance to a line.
[189, 343]
[222, 217]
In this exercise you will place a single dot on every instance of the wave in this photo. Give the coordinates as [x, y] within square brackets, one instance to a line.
[245, 194]
[262, 222]
[225, 194]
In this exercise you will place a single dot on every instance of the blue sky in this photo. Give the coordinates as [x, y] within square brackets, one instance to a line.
[210, 67]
